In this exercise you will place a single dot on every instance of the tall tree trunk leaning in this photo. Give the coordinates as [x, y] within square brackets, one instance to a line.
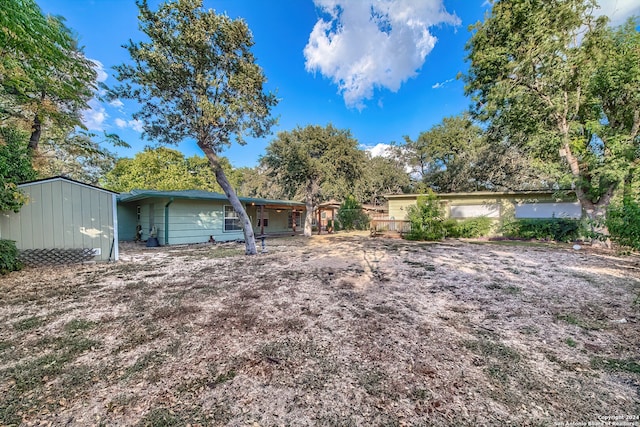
[249, 237]
[309, 216]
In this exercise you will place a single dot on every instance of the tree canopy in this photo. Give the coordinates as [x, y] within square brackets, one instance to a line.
[165, 169]
[44, 75]
[456, 155]
[196, 78]
[380, 176]
[15, 167]
[316, 162]
[551, 79]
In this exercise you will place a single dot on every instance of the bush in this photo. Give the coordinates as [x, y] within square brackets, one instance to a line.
[623, 222]
[426, 218]
[351, 216]
[9, 257]
[468, 228]
[558, 229]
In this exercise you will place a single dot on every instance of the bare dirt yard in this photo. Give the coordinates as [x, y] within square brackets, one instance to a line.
[341, 330]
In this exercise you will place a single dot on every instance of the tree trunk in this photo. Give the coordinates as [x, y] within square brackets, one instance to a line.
[309, 216]
[249, 237]
[595, 212]
[36, 131]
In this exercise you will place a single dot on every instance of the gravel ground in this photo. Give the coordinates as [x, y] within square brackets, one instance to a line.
[338, 330]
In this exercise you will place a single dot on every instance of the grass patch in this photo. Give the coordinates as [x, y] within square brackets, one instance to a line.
[76, 378]
[161, 417]
[79, 325]
[224, 377]
[373, 382]
[494, 349]
[616, 365]
[28, 323]
[225, 252]
[5, 345]
[153, 359]
[425, 265]
[502, 362]
[71, 345]
[570, 342]
[512, 290]
[572, 319]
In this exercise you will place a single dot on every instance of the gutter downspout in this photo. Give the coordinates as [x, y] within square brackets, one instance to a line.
[166, 221]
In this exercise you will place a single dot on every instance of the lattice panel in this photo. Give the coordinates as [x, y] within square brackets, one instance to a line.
[38, 257]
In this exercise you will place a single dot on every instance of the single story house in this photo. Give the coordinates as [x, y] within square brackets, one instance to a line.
[196, 216]
[63, 221]
[495, 205]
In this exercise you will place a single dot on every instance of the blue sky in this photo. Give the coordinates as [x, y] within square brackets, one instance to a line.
[382, 78]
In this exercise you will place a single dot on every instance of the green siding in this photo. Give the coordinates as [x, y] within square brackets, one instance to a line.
[190, 220]
[62, 214]
[194, 221]
[127, 221]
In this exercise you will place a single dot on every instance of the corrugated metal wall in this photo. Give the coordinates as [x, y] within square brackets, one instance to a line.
[62, 214]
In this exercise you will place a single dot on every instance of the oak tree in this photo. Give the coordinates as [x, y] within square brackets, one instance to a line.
[548, 76]
[44, 75]
[318, 163]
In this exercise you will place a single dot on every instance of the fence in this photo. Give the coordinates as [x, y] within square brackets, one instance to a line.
[391, 226]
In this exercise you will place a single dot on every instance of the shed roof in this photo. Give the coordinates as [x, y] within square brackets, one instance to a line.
[63, 178]
[135, 195]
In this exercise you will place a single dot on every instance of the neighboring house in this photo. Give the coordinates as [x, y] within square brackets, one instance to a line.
[495, 205]
[195, 216]
[326, 211]
[63, 221]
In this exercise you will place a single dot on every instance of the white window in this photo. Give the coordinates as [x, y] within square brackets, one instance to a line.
[549, 210]
[474, 211]
[231, 219]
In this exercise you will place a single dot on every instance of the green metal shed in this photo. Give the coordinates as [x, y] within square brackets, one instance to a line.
[63, 221]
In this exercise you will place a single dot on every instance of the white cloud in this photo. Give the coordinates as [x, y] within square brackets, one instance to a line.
[99, 68]
[117, 104]
[368, 44]
[438, 85]
[94, 117]
[378, 150]
[136, 125]
[618, 10]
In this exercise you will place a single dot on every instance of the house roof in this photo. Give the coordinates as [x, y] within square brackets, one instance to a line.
[480, 193]
[135, 195]
[63, 178]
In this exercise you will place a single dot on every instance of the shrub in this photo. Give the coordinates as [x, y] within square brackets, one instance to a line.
[558, 229]
[468, 228]
[451, 228]
[9, 257]
[426, 218]
[623, 222]
[351, 216]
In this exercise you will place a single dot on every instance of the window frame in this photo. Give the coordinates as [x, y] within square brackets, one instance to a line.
[235, 219]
